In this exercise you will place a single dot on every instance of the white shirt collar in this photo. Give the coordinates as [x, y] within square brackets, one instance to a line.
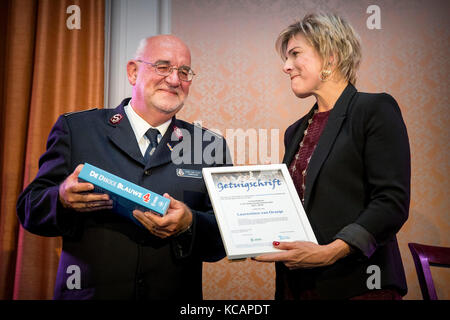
[140, 127]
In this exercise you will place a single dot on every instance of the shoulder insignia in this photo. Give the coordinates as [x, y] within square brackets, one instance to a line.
[115, 119]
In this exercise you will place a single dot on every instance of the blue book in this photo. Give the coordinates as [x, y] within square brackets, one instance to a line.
[126, 195]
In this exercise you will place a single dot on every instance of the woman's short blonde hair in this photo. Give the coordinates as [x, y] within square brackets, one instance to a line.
[329, 35]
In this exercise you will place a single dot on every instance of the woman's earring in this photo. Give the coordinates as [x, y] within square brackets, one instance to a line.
[324, 75]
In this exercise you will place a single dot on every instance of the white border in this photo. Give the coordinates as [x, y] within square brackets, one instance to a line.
[233, 253]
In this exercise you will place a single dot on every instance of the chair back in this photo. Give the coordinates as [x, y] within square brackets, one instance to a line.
[425, 256]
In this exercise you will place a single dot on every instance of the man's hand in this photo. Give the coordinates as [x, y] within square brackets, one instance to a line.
[302, 254]
[73, 195]
[177, 219]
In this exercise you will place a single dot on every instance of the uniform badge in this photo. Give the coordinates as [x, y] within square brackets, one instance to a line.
[189, 173]
[115, 119]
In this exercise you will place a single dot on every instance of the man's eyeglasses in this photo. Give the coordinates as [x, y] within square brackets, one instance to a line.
[163, 69]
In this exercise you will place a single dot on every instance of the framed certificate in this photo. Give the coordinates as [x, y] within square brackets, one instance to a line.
[254, 206]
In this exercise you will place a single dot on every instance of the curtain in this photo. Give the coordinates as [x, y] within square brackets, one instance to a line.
[52, 62]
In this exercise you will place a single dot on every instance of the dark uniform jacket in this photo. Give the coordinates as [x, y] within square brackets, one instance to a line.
[118, 259]
[357, 190]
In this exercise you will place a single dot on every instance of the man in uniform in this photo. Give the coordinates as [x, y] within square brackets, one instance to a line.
[116, 258]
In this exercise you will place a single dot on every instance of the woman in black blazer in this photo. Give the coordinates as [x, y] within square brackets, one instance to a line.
[349, 159]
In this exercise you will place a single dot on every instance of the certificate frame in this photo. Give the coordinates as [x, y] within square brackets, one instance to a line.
[241, 231]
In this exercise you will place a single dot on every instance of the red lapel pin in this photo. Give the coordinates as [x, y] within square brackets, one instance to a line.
[178, 132]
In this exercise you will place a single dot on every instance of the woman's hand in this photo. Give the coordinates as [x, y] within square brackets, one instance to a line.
[302, 254]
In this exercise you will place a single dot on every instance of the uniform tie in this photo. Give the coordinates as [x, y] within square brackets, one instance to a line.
[152, 135]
